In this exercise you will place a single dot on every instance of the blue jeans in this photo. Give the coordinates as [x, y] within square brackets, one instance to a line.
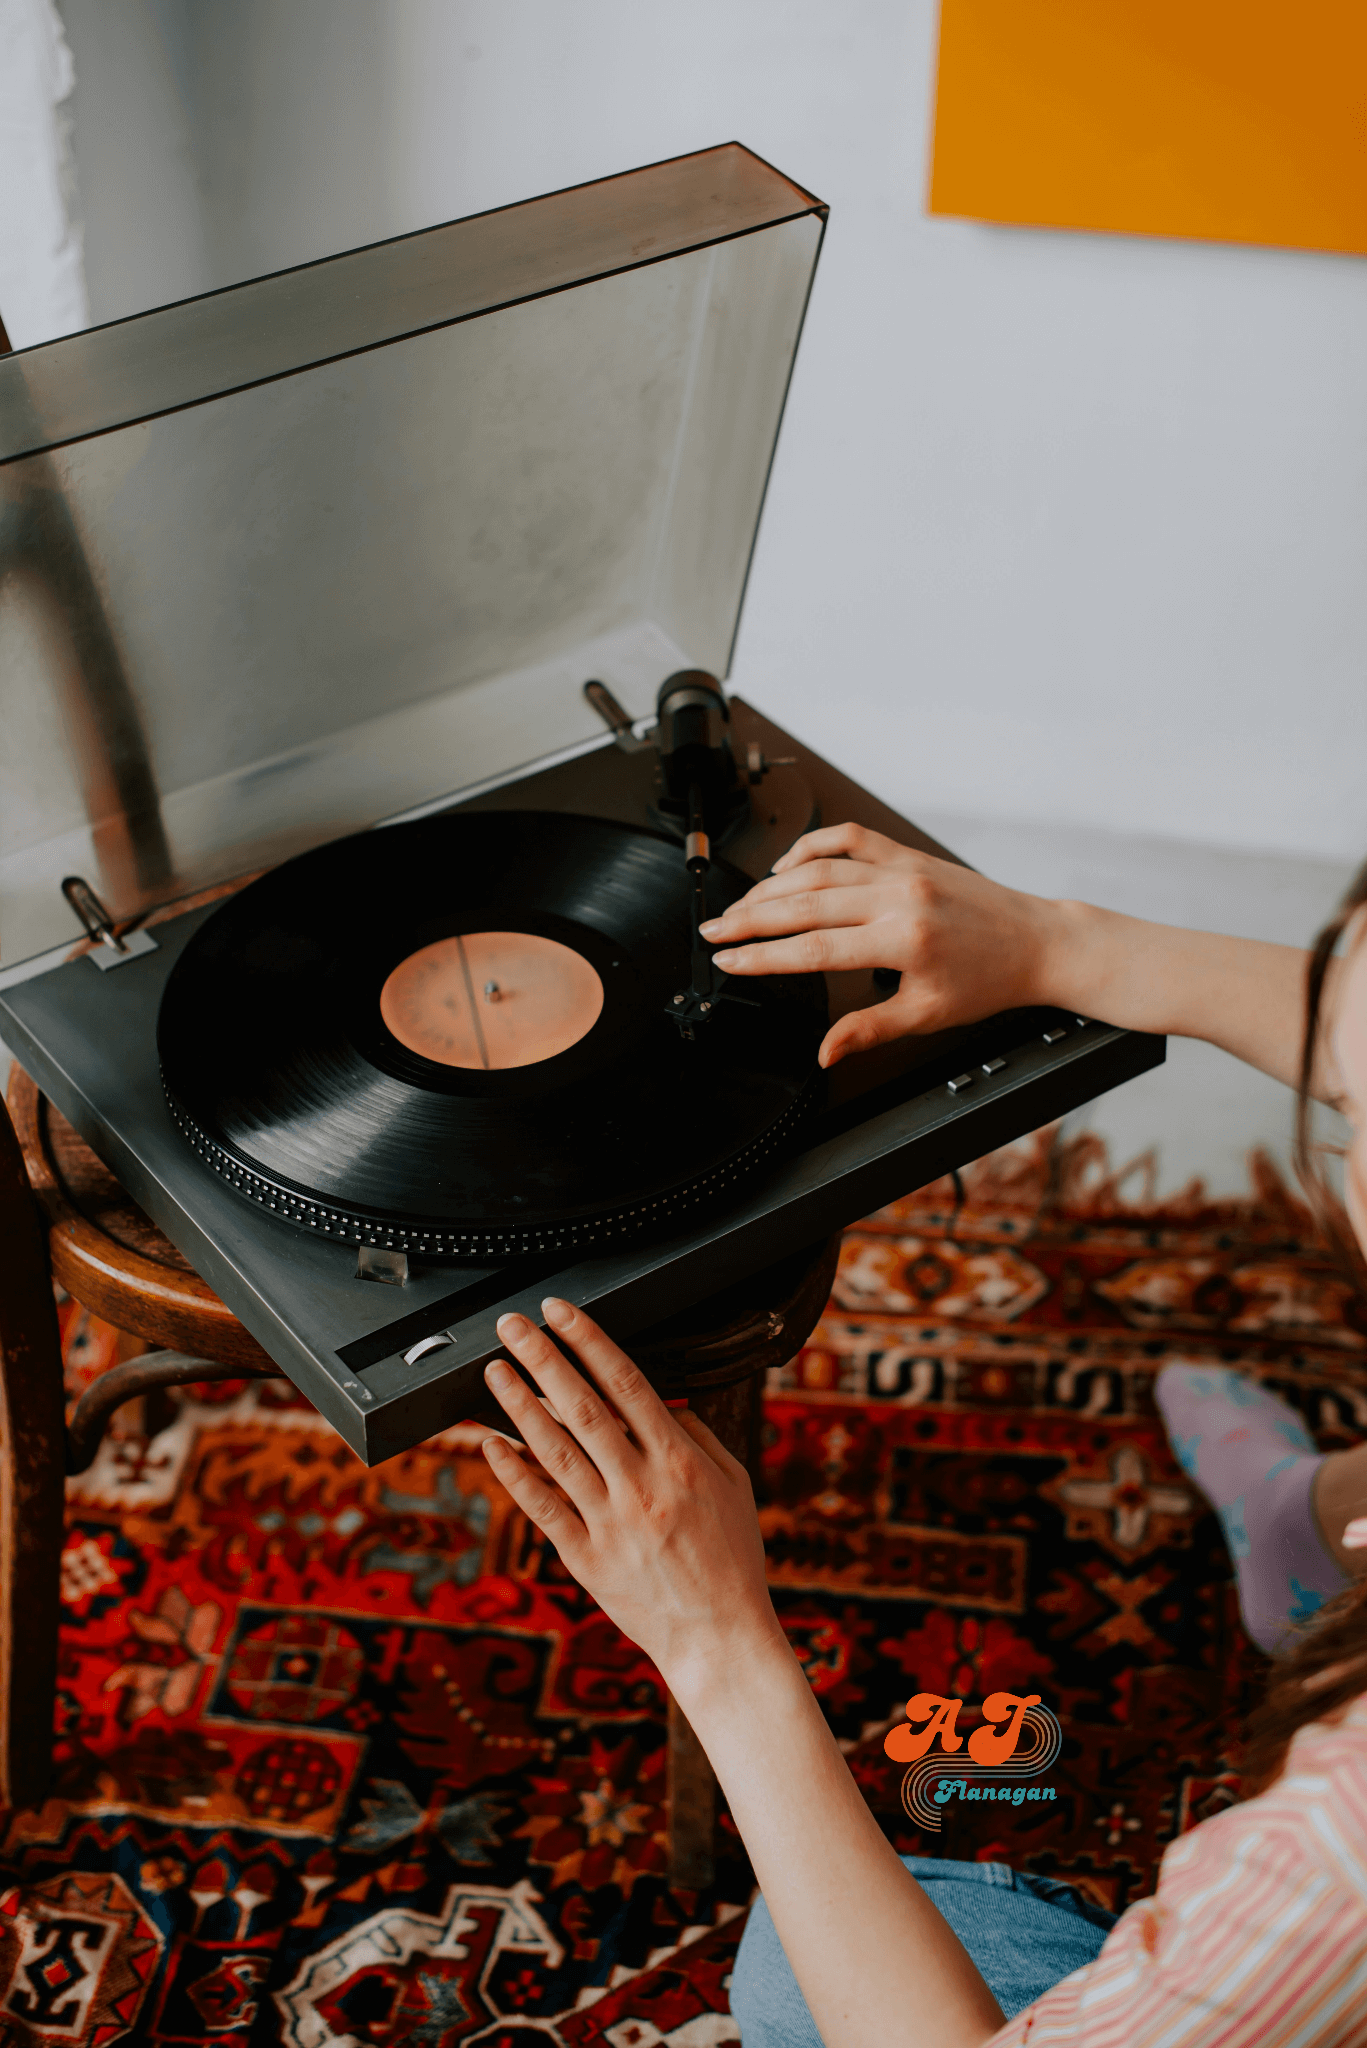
[1024, 1933]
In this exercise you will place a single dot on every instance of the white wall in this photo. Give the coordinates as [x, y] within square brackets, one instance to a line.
[42, 285]
[1063, 527]
[133, 118]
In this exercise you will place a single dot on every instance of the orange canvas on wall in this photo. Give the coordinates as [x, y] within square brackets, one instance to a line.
[1222, 120]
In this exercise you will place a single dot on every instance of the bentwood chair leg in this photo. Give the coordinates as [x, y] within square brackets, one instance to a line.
[32, 1469]
[692, 1793]
[732, 1413]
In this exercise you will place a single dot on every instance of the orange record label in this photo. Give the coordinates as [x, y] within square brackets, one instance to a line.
[492, 999]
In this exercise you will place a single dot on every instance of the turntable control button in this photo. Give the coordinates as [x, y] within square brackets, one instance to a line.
[960, 1081]
[1053, 1037]
[425, 1345]
[492, 992]
[993, 1066]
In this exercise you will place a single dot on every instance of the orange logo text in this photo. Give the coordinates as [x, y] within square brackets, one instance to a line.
[991, 1745]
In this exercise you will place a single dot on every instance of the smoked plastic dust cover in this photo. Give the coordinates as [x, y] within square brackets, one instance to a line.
[316, 550]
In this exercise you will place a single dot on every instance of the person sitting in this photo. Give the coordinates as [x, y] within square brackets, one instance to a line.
[1257, 1932]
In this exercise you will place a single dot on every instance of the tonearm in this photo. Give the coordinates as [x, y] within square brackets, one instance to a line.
[703, 797]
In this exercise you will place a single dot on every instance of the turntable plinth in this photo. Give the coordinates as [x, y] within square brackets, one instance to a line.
[112, 1258]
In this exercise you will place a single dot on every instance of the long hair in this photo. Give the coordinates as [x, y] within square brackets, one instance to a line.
[1325, 1672]
[1327, 1667]
[1325, 1205]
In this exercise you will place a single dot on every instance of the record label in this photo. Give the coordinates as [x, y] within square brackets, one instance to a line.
[492, 1000]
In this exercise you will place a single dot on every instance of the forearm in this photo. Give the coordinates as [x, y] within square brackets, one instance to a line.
[1243, 995]
[876, 1962]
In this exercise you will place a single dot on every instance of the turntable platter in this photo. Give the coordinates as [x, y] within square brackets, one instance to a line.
[451, 1037]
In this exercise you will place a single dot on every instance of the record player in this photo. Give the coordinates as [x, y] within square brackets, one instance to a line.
[364, 631]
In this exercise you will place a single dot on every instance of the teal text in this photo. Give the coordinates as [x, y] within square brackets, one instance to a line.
[1012, 1794]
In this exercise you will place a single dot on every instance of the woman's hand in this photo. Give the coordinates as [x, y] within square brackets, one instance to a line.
[966, 948]
[655, 1519]
[846, 898]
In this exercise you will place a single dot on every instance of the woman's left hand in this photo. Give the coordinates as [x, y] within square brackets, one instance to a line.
[658, 1522]
[655, 1519]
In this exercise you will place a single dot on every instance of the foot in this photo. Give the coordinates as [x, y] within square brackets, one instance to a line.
[1253, 1459]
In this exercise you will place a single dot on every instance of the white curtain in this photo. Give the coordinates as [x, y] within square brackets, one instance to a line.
[42, 281]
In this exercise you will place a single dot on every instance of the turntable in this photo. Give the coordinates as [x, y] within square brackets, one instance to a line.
[360, 630]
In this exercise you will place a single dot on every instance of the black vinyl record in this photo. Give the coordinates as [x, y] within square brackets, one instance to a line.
[451, 1037]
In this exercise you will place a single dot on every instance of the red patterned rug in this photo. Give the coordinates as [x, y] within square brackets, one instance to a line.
[346, 1759]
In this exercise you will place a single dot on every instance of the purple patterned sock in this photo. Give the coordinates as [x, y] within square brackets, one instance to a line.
[1254, 1460]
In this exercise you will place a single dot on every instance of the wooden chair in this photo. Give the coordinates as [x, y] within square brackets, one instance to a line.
[64, 1217]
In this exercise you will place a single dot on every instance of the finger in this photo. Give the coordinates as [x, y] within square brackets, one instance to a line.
[539, 1502]
[811, 874]
[620, 1378]
[694, 1426]
[552, 1445]
[815, 877]
[577, 1405]
[549, 1407]
[856, 842]
[523, 1456]
[799, 910]
[861, 1030]
[809, 952]
[521, 1453]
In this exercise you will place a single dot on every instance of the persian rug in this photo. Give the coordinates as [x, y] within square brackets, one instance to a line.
[345, 1757]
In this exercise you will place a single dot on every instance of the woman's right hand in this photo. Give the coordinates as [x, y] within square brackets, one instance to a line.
[847, 898]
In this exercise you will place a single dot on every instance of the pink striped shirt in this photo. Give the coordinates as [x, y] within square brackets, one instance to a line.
[1257, 1934]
